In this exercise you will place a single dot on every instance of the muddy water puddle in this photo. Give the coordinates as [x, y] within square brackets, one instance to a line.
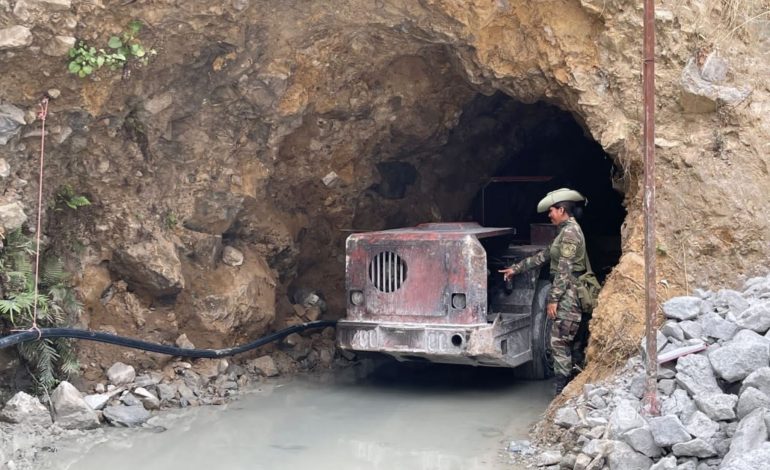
[390, 417]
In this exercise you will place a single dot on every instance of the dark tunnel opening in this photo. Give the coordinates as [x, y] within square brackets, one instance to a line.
[529, 150]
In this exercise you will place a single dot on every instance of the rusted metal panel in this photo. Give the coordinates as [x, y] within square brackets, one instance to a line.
[422, 292]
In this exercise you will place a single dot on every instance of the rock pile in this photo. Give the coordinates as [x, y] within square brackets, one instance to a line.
[714, 392]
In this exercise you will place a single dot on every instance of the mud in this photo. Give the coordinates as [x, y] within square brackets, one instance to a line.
[388, 417]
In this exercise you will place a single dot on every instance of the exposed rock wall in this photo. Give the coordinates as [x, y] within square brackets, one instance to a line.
[278, 127]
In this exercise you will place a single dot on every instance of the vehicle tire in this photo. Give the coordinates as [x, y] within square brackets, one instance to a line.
[541, 366]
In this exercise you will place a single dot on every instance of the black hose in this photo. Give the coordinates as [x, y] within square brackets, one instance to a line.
[14, 339]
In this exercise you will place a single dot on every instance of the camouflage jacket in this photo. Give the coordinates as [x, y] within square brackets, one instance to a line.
[567, 254]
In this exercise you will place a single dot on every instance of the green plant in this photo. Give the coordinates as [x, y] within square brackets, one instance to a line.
[66, 196]
[55, 301]
[170, 220]
[85, 59]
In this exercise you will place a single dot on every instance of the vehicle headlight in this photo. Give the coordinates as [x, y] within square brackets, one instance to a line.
[356, 297]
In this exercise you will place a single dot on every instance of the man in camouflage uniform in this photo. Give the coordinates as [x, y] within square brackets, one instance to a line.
[568, 260]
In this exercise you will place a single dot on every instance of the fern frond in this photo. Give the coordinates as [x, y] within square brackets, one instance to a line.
[18, 242]
[41, 355]
[52, 272]
[68, 361]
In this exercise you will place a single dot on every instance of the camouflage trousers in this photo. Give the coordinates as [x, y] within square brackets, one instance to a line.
[568, 316]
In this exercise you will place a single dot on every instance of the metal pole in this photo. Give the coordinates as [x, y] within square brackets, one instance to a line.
[651, 304]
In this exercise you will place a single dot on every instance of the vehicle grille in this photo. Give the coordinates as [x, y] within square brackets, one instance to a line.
[387, 271]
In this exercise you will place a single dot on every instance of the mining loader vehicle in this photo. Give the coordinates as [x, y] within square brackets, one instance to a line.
[433, 293]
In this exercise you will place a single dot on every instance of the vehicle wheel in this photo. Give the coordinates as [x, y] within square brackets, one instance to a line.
[541, 366]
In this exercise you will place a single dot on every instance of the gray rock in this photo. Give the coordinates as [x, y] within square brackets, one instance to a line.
[666, 371]
[691, 329]
[185, 392]
[265, 365]
[755, 459]
[679, 404]
[15, 37]
[666, 463]
[24, 408]
[232, 256]
[638, 384]
[70, 411]
[738, 358]
[127, 416]
[757, 287]
[582, 461]
[12, 215]
[702, 96]
[59, 46]
[750, 434]
[694, 374]
[682, 308]
[523, 447]
[687, 465]
[129, 399]
[97, 401]
[623, 457]
[167, 392]
[759, 379]
[5, 168]
[598, 447]
[667, 386]
[731, 301]
[717, 406]
[714, 69]
[549, 457]
[640, 439]
[755, 318]
[717, 327]
[566, 417]
[672, 330]
[750, 400]
[700, 425]
[183, 342]
[694, 448]
[121, 374]
[668, 430]
[624, 418]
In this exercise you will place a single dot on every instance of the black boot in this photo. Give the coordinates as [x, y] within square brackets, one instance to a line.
[559, 382]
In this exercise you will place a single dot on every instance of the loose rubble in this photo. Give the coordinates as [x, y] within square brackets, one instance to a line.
[713, 390]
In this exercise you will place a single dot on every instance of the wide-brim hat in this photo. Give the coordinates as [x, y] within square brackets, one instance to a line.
[559, 195]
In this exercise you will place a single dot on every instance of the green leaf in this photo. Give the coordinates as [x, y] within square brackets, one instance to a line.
[73, 67]
[87, 69]
[115, 42]
[135, 26]
[137, 50]
[82, 74]
[100, 61]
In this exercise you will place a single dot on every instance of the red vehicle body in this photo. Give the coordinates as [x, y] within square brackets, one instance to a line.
[432, 292]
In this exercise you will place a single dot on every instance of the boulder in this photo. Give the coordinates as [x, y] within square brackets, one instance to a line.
[215, 212]
[701, 96]
[694, 448]
[70, 411]
[149, 400]
[668, 430]
[691, 329]
[738, 358]
[756, 458]
[640, 439]
[679, 404]
[24, 408]
[700, 425]
[15, 37]
[759, 379]
[121, 374]
[750, 434]
[623, 457]
[151, 266]
[12, 216]
[126, 416]
[751, 399]
[732, 301]
[11, 120]
[717, 406]
[232, 256]
[715, 326]
[264, 365]
[566, 417]
[624, 418]
[682, 308]
[694, 374]
[666, 463]
[755, 318]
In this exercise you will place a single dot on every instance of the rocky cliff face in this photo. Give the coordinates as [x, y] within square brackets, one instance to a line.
[275, 128]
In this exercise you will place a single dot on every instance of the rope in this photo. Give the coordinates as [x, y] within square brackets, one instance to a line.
[42, 116]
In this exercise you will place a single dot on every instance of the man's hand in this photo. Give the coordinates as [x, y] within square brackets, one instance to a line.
[507, 273]
[550, 310]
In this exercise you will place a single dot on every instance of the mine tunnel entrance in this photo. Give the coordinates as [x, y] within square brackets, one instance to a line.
[528, 150]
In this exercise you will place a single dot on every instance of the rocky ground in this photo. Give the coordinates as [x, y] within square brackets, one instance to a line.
[713, 388]
[126, 398]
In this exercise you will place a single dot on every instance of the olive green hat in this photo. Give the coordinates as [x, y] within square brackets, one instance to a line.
[559, 195]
